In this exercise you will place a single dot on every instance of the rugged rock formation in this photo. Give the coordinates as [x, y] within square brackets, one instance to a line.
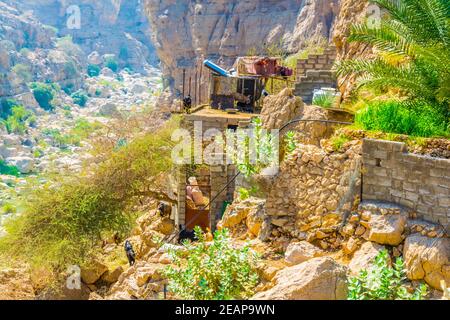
[116, 27]
[428, 259]
[316, 279]
[185, 32]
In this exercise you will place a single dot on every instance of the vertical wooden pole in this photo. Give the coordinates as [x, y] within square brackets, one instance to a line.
[184, 87]
[200, 85]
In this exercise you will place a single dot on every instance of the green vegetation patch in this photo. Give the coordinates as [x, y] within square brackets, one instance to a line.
[419, 120]
[383, 282]
[63, 221]
[213, 271]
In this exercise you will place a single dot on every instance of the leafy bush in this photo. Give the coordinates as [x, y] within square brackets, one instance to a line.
[84, 128]
[44, 94]
[383, 282]
[8, 170]
[250, 160]
[215, 271]
[93, 70]
[80, 98]
[395, 117]
[6, 106]
[64, 220]
[19, 119]
[412, 45]
[112, 63]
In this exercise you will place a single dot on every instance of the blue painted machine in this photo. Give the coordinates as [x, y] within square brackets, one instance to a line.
[214, 67]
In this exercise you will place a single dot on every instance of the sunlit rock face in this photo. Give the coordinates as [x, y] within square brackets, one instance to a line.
[185, 32]
[116, 27]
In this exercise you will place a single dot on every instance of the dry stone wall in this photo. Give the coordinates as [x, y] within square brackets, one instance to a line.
[313, 189]
[421, 183]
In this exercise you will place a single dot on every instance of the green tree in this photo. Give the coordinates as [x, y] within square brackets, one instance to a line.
[93, 70]
[44, 94]
[80, 98]
[413, 51]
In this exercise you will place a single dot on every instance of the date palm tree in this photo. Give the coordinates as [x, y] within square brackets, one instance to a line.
[412, 47]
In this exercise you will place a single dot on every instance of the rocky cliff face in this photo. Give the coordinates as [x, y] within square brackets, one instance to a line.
[109, 27]
[185, 32]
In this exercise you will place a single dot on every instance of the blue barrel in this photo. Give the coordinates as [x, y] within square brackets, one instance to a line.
[214, 67]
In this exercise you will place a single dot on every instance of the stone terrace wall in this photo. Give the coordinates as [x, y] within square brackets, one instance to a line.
[315, 72]
[308, 197]
[323, 61]
[418, 182]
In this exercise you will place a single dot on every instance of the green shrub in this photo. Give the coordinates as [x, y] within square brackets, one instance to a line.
[44, 94]
[243, 194]
[6, 106]
[8, 170]
[84, 128]
[216, 271]
[325, 100]
[8, 208]
[19, 119]
[93, 70]
[396, 117]
[23, 71]
[63, 221]
[337, 142]
[68, 88]
[80, 98]
[383, 282]
[112, 64]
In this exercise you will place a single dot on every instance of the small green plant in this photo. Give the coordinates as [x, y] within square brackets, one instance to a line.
[8, 170]
[383, 282]
[80, 98]
[325, 100]
[243, 194]
[93, 70]
[290, 142]
[213, 271]
[337, 142]
[44, 94]
[8, 208]
[112, 64]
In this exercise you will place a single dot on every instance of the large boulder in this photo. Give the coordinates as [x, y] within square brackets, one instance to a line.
[92, 273]
[245, 215]
[298, 252]
[317, 279]
[280, 109]
[24, 164]
[364, 257]
[387, 229]
[428, 259]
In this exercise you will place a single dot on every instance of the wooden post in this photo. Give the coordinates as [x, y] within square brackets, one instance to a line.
[184, 87]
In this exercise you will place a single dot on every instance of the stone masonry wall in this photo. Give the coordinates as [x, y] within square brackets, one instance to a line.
[314, 73]
[311, 193]
[323, 61]
[418, 182]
